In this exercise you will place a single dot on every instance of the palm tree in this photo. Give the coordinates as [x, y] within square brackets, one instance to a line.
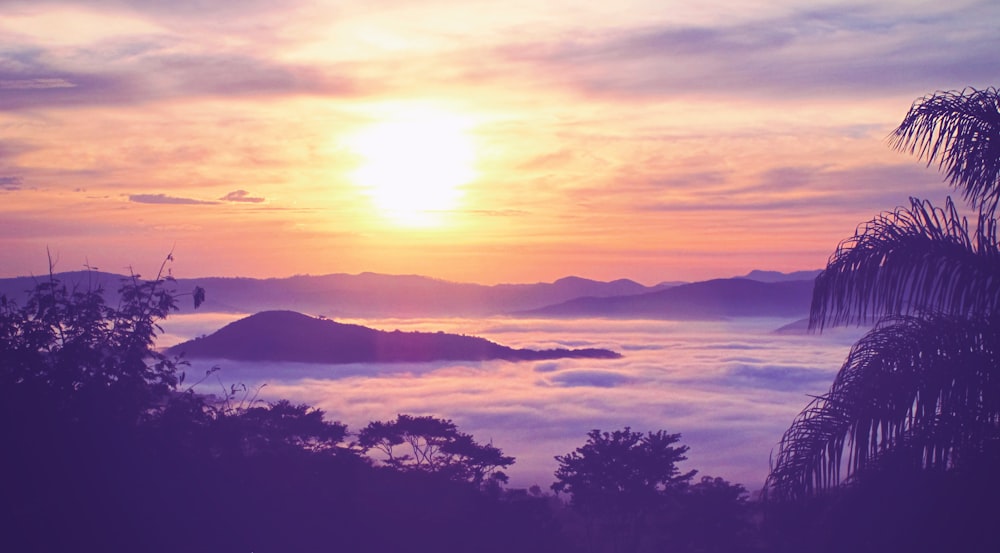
[961, 132]
[922, 388]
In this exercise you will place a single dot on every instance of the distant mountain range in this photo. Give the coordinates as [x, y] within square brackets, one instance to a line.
[362, 295]
[711, 299]
[368, 295]
[288, 336]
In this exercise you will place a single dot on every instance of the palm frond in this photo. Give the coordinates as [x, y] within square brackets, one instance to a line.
[915, 391]
[920, 259]
[960, 130]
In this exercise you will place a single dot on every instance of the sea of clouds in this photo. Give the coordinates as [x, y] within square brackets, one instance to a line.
[730, 388]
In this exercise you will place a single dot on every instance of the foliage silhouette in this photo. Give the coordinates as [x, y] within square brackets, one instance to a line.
[435, 446]
[72, 346]
[622, 471]
[910, 262]
[629, 495]
[916, 406]
[960, 130]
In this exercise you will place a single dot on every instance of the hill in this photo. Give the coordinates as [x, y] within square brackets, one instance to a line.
[711, 299]
[294, 337]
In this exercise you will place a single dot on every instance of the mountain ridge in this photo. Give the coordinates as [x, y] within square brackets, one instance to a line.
[705, 300]
[373, 295]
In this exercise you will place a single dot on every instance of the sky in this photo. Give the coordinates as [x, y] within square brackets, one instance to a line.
[471, 140]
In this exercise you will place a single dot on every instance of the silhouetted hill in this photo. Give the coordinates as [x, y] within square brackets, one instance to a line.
[291, 336]
[712, 299]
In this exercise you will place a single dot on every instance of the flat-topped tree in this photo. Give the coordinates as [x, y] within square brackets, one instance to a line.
[434, 445]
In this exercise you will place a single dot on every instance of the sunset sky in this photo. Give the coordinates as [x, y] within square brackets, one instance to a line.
[480, 141]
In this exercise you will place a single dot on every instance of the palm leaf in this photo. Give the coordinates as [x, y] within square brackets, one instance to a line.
[920, 259]
[960, 130]
[915, 391]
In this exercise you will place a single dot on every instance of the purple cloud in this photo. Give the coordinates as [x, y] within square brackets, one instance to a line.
[34, 84]
[835, 52]
[165, 199]
[589, 378]
[11, 183]
[141, 72]
[241, 196]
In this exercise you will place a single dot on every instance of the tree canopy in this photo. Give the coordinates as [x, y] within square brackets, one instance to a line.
[630, 495]
[622, 470]
[435, 446]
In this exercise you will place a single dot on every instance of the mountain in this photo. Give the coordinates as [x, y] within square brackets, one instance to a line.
[711, 299]
[293, 337]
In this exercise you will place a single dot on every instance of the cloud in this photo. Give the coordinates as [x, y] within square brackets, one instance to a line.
[34, 84]
[594, 378]
[808, 53]
[241, 196]
[182, 15]
[776, 377]
[641, 347]
[11, 183]
[9, 149]
[165, 199]
[820, 188]
[547, 367]
[138, 71]
[86, 89]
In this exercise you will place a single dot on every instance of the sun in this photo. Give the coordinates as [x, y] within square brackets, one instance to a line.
[414, 166]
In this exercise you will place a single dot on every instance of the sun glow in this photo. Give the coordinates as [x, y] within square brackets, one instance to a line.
[415, 165]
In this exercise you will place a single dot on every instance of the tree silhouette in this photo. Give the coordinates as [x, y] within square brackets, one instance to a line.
[618, 481]
[961, 132]
[435, 446]
[80, 380]
[70, 346]
[921, 390]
